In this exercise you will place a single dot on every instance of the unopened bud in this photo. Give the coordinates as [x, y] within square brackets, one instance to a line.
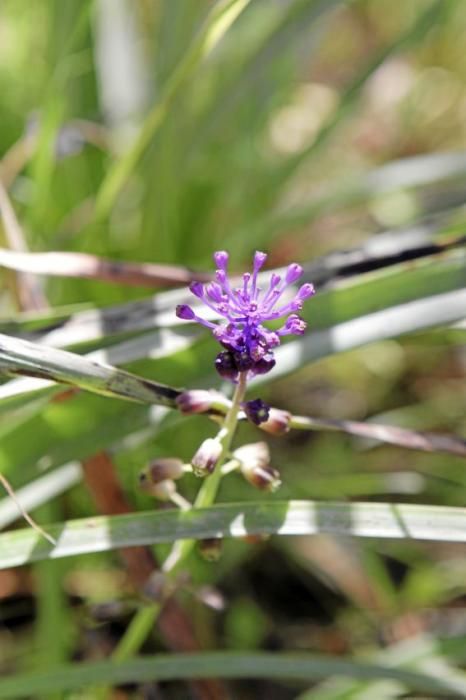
[254, 454]
[257, 411]
[263, 478]
[211, 548]
[162, 490]
[207, 456]
[199, 401]
[255, 466]
[278, 422]
[161, 469]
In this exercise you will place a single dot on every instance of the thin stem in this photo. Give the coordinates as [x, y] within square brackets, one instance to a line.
[137, 632]
[144, 620]
[208, 491]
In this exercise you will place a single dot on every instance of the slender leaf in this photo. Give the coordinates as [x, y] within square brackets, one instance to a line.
[103, 533]
[285, 666]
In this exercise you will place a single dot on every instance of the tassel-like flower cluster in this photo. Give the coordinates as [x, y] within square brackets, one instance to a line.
[248, 343]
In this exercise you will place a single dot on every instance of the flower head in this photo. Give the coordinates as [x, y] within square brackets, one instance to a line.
[248, 343]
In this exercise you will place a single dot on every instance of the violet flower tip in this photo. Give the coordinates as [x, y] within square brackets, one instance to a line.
[185, 312]
[221, 259]
[197, 288]
[259, 259]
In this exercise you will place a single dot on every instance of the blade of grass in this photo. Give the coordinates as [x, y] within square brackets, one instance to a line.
[86, 266]
[20, 357]
[389, 323]
[292, 667]
[222, 15]
[385, 286]
[101, 534]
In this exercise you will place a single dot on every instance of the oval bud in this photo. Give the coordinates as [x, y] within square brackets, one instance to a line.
[255, 453]
[265, 478]
[197, 288]
[200, 401]
[207, 456]
[185, 312]
[278, 422]
[226, 366]
[221, 259]
[293, 273]
[259, 260]
[161, 469]
[162, 490]
[257, 411]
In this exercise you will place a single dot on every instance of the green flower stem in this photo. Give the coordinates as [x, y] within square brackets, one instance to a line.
[208, 491]
[144, 620]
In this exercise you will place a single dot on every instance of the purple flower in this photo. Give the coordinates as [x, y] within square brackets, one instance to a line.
[248, 343]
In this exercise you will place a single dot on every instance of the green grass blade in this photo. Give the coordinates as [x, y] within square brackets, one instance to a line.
[104, 533]
[221, 17]
[24, 358]
[393, 322]
[285, 666]
[20, 357]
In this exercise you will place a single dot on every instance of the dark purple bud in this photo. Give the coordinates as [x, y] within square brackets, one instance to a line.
[206, 457]
[185, 312]
[278, 422]
[197, 288]
[293, 273]
[257, 411]
[259, 260]
[226, 366]
[264, 365]
[221, 259]
[243, 360]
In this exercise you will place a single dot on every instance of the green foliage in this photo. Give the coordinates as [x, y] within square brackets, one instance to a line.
[329, 132]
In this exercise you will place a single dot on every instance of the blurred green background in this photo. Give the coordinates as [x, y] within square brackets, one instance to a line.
[162, 130]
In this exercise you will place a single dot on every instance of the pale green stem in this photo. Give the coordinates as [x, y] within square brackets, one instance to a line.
[144, 620]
